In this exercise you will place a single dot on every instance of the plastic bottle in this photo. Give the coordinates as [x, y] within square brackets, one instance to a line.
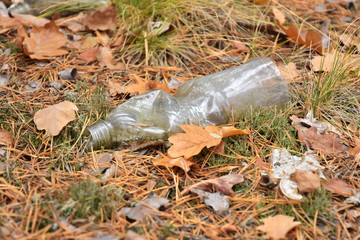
[209, 100]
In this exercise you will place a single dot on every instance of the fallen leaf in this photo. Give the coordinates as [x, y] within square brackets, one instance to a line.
[73, 23]
[145, 208]
[195, 138]
[131, 235]
[173, 162]
[54, 118]
[102, 19]
[307, 181]
[355, 199]
[191, 142]
[284, 165]
[329, 143]
[239, 46]
[229, 228]
[222, 184]
[106, 59]
[44, 42]
[218, 202]
[143, 86]
[89, 55]
[103, 160]
[110, 172]
[326, 62]
[355, 151]
[339, 187]
[278, 226]
[310, 38]
[289, 71]
[6, 138]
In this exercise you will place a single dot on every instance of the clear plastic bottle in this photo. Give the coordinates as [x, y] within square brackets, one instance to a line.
[209, 100]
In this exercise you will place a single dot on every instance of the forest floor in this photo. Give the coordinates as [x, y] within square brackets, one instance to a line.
[53, 187]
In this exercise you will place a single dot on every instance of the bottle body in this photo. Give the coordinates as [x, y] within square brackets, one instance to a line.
[209, 100]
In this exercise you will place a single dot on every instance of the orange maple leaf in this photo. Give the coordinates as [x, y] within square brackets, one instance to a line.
[278, 226]
[191, 142]
[195, 138]
[180, 162]
[44, 42]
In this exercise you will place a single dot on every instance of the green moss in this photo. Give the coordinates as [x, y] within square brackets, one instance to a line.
[87, 198]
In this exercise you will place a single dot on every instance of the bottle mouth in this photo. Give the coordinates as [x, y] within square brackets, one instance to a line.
[100, 134]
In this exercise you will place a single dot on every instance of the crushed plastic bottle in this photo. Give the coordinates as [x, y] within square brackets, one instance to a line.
[209, 100]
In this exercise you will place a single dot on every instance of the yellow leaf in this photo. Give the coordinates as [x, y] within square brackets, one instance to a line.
[277, 227]
[55, 117]
[191, 142]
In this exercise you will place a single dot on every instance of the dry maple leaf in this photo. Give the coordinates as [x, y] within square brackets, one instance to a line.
[195, 138]
[6, 138]
[55, 117]
[89, 55]
[143, 86]
[173, 162]
[278, 226]
[44, 42]
[307, 181]
[191, 142]
[222, 184]
[289, 71]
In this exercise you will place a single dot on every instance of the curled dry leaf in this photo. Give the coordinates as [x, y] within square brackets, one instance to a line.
[222, 184]
[324, 143]
[219, 203]
[6, 138]
[278, 226]
[174, 162]
[44, 42]
[307, 181]
[339, 187]
[54, 118]
[146, 208]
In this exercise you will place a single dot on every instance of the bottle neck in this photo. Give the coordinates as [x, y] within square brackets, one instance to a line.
[100, 134]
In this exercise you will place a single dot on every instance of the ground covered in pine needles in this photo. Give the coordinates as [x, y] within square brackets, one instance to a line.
[54, 187]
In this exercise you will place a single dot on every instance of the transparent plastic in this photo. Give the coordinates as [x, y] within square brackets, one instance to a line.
[209, 100]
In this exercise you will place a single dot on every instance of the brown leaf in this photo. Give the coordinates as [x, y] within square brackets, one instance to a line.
[89, 55]
[356, 150]
[131, 235]
[106, 59]
[191, 142]
[116, 87]
[222, 184]
[310, 38]
[145, 208]
[6, 138]
[324, 143]
[307, 182]
[339, 187]
[44, 42]
[73, 23]
[278, 226]
[103, 19]
[54, 118]
[289, 71]
[173, 162]
[143, 86]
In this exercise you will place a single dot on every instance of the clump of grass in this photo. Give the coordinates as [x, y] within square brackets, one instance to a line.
[270, 126]
[87, 198]
[163, 32]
